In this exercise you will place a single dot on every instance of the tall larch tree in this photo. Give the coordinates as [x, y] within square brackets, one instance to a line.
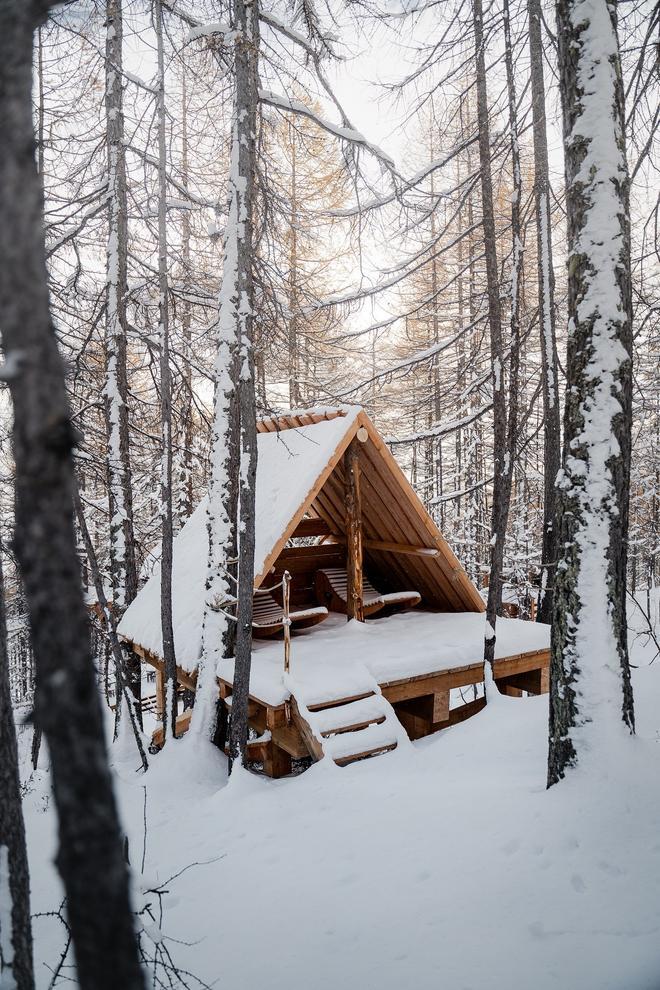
[120, 496]
[16, 965]
[546, 297]
[90, 857]
[591, 699]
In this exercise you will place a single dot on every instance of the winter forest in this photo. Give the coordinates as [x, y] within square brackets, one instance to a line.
[330, 494]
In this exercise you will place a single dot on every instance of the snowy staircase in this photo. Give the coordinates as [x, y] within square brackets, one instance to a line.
[348, 729]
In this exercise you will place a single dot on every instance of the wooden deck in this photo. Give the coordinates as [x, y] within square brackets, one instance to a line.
[420, 704]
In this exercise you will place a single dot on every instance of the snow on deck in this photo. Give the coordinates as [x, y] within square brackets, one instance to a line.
[289, 463]
[339, 659]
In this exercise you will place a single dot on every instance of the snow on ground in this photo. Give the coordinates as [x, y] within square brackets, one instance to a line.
[339, 658]
[444, 864]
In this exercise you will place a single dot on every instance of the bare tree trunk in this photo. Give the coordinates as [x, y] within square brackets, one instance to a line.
[16, 967]
[500, 506]
[89, 859]
[590, 688]
[185, 486]
[546, 293]
[122, 543]
[118, 654]
[243, 181]
[167, 522]
[293, 343]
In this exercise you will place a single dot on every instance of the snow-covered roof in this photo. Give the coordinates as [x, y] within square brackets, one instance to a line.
[289, 465]
[299, 470]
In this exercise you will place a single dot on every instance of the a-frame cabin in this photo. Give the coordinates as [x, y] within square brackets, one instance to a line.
[336, 513]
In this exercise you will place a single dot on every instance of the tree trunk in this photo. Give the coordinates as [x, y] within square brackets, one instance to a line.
[118, 655]
[89, 859]
[293, 343]
[16, 968]
[167, 522]
[546, 294]
[185, 479]
[590, 688]
[122, 542]
[500, 505]
[243, 185]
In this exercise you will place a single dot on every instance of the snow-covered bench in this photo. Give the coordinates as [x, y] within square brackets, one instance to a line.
[332, 588]
[268, 615]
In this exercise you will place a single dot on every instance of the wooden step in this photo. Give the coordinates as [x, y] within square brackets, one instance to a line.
[370, 741]
[344, 761]
[352, 717]
[355, 727]
[338, 702]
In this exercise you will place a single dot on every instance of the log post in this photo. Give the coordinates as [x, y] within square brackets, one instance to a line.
[355, 608]
[160, 694]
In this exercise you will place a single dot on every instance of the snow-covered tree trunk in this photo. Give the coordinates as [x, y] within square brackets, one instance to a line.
[591, 698]
[546, 293]
[230, 573]
[90, 858]
[16, 967]
[167, 523]
[242, 193]
[184, 502]
[122, 544]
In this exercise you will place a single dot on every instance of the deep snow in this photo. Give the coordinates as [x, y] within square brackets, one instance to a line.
[445, 864]
[338, 658]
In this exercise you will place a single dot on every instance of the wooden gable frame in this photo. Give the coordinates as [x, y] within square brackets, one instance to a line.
[402, 544]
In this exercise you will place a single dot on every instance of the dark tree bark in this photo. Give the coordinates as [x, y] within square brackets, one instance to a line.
[16, 967]
[590, 688]
[122, 542]
[68, 707]
[502, 466]
[167, 520]
[118, 654]
[246, 22]
[546, 293]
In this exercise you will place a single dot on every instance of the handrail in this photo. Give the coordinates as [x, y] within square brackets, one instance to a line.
[286, 590]
[285, 585]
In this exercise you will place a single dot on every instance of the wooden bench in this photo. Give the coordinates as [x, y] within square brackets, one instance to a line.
[332, 588]
[268, 616]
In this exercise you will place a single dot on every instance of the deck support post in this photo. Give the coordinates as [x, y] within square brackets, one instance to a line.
[277, 763]
[355, 605]
[160, 694]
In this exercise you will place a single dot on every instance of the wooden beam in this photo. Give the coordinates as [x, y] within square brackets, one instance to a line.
[440, 711]
[312, 527]
[288, 738]
[355, 604]
[183, 677]
[313, 744]
[160, 693]
[182, 725]
[405, 548]
[276, 761]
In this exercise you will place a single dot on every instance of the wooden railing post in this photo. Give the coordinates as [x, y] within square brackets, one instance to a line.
[160, 694]
[286, 592]
[355, 605]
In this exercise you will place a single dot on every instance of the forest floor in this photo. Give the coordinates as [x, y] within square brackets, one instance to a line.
[446, 864]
